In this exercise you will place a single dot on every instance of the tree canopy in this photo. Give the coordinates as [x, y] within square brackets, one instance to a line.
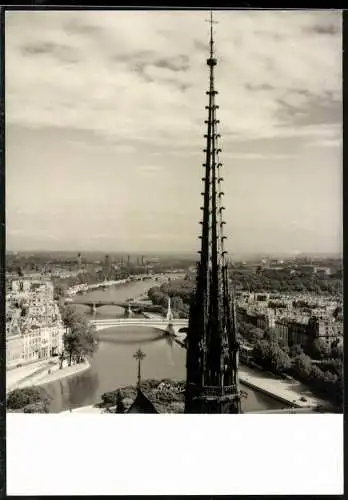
[79, 339]
[27, 399]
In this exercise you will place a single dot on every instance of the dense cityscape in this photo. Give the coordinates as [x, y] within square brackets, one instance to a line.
[295, 332]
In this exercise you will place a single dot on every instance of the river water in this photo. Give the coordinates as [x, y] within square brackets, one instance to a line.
[113, 364]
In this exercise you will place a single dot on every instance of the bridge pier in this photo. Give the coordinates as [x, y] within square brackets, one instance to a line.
[170, 329]
[93, 309]
[128, 313]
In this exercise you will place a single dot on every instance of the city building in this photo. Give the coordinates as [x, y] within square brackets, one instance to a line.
[281, 329]
[42, 342]
[21, 285]
[298, 332]
[34, 327]
[266, 320]
[325, 329]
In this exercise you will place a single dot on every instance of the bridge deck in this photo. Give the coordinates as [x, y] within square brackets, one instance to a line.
[161, 324]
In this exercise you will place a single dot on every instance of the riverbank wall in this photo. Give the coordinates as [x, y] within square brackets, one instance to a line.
[293, 394]
[281, 390]
[269, 393]
[49, 373]
[64, 373]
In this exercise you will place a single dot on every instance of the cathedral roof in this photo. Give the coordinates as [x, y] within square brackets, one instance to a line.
[142, 404]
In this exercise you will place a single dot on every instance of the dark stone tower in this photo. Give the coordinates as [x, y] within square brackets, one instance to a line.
[212, 348]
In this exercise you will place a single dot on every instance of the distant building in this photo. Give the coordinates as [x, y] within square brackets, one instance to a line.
[42, 342]
[262, 297]
[266, 320]
[247, 316]
[310, 269]
[326, 271]
[79, 260]
[21, 285]
[325, 329]
[298, 332]
[282, 330]
[34, 329]
[246, 353]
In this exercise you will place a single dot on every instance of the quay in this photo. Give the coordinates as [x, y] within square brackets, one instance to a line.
[292, 393]
[41, 373]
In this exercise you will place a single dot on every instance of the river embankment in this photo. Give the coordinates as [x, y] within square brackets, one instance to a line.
[291, 392]
[44, 373]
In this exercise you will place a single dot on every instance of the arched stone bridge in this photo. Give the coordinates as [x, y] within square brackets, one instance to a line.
[178, 327]
[132, 305]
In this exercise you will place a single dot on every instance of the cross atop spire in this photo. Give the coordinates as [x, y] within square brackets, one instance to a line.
[211, 21]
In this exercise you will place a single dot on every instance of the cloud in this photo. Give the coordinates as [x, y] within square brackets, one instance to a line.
[326, 143]
[31, 233]
[162, 236]
[258, 156]
[324, 29]
[149, 169]
[109, 107]
[142, 76]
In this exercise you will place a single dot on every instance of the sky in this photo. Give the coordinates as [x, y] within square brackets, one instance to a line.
[105, 119]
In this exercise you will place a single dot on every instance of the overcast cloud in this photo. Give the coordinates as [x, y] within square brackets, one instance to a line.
[105, 120]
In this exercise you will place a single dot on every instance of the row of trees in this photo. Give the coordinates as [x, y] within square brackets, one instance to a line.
[282, 281]
[321, 367]
[79, 338]
[326, 378]
[180, 293]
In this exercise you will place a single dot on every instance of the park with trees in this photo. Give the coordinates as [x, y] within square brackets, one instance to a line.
[286, 279]
[180, 293]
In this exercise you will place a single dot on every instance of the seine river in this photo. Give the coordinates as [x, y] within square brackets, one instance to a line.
[113, 364]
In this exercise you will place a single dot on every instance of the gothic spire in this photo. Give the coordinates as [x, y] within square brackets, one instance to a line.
[212, 349]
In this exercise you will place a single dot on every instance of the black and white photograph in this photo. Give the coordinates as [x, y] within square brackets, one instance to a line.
[174, 212]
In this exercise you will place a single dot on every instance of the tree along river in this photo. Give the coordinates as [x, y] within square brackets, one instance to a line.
[113, 365]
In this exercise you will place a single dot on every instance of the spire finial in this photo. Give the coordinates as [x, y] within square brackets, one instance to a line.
[211, 22]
